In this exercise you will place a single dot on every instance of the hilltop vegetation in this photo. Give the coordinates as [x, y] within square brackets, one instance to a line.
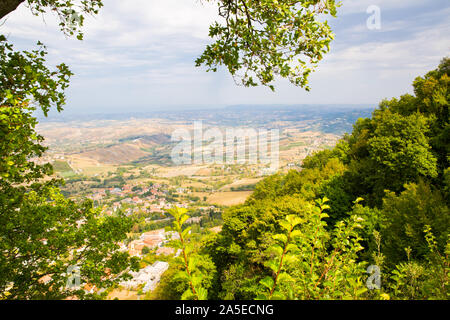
[380, 197]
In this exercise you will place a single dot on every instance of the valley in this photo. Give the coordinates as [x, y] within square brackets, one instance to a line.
[124, 166]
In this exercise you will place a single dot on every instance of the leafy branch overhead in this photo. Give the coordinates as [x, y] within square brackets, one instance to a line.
[285, 253]
[24, 77]
[191, 261]
[263, 39]
[69, 12]
[256, 40]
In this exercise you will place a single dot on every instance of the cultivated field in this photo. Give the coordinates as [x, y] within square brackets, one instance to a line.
[229, 198]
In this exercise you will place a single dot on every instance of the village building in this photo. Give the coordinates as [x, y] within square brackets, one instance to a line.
[150, 276]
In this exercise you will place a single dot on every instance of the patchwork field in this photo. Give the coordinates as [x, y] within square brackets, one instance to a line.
[114, 153]
[229, 198]
[122, 294]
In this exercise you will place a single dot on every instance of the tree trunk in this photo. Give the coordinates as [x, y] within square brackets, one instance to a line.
[6, 6]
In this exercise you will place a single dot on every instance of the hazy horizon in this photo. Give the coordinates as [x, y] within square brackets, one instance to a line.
[147, 111]
[139, 55]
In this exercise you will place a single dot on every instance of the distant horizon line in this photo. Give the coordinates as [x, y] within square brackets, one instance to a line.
[70, 112]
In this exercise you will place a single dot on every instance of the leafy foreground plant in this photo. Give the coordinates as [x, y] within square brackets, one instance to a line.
[191, 272]
[311, 263]
[285, 254]
[423, 280]
[43, 234]
[279, 245]
[260, 40]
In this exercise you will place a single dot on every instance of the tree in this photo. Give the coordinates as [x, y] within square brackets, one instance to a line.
[426, 279]
[406, 139]
[279, 245]
[8, 6]
[263, 39]
[388, 151]
[257, 41]
[42, 233]
[70, 13]
[405, 217]
[281, 249]
[433, 99]
[45, 236]
[196, 268]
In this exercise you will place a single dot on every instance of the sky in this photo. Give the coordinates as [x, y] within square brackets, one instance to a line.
[138, 55]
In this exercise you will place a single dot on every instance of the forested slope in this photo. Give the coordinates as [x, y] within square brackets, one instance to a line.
[380, 197]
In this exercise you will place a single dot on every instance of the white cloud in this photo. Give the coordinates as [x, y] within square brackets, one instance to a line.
[420, 50]
[360, 6]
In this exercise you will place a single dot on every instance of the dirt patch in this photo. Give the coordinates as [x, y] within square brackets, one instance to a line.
[118, 154]
[123, 294]
[229, 198]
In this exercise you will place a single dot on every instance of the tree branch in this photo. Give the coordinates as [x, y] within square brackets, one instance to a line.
[7, 6]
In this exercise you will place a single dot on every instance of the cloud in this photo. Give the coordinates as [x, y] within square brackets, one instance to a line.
[139, 53]
[429, 45]
[360, 6]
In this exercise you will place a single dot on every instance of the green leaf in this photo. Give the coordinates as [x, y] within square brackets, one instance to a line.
[285, 225]
[291, 247]
[283, 276]
[278, 296]
[262, 296]
[185, 232]
[267, 282]
[273, 265]
[280, 237]
[187, 295]
[360, 291]
[202, 293]
[197, 280]
[290, 259]
[183, 219]
[296, 234]
[276, 249]
[181, 275]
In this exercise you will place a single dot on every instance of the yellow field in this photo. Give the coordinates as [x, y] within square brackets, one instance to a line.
[229, 198]
[194, 184]
[122, 294]
[90, 166]
[180, 171]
